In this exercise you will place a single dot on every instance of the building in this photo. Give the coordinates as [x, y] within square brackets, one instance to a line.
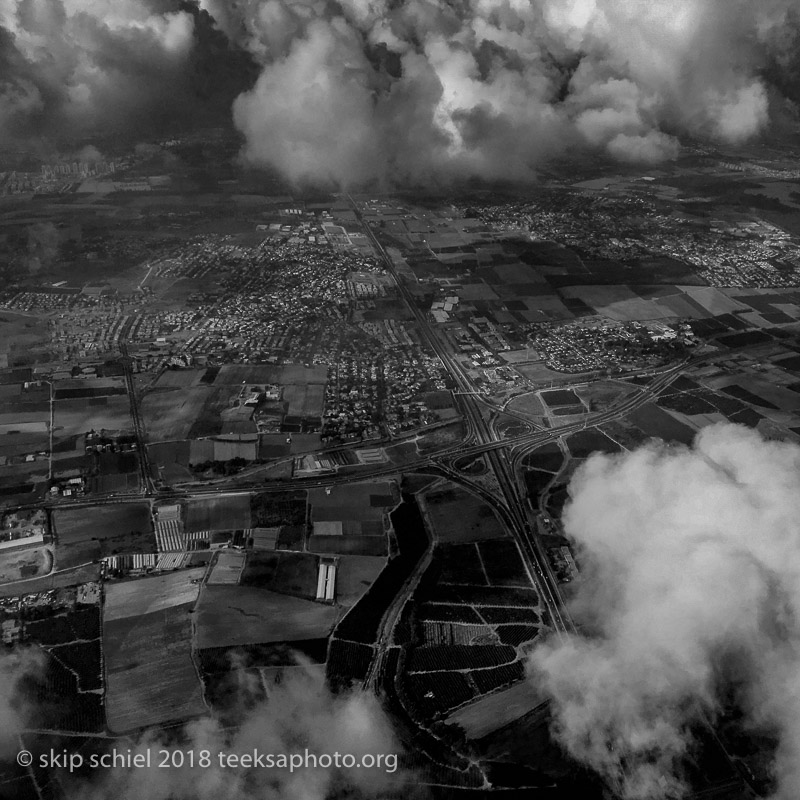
[326, 581]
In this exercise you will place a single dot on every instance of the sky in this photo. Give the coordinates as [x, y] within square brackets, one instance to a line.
[403, 92]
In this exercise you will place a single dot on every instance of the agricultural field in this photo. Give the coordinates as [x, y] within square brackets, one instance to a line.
[21, 335]
[283, 572]
[495, 711]
[362, 622]
[347, 663]
[147, 639]
[349, 545]
[456, 515]
[305, 400]
[465, 638]
[272, 509]
[356, 501]
[560, 397]
[286, 374]
[171, 459]
[239, 615]
[548, 457]
[503, 564]
[585, 442]
[351, 519]
[528, 404]
[133, 598]
[226, 568]
[66, 691]
[74, 417]
[88, 534]
[179, 378]
[655, 422]
[195, 403]
[220, 513]
[354, 576]
[237, 678]
[171, 414]
[150, 676]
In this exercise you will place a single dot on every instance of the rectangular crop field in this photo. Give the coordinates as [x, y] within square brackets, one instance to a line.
[503, 564]
[560, 397]
[236, 374]
[150, 677]
[355, 575]
[73, 417]
[133, 598]
[287, 573]
[87, 534]
[171, 414]
[305, 400]
[654, 421]
[179, 378]
[459, 516]
[227, 512]
[349, 545]
[236, 615]
[356, 501]
[272, 509]
[494, 711]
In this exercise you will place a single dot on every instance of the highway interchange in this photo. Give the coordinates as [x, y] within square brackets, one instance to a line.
[504, 454]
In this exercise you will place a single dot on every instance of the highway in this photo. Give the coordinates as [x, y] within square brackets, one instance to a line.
[138, 425]
[511, 501]
[505, 456]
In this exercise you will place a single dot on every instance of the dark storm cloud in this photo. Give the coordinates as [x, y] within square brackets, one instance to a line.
[71, 68]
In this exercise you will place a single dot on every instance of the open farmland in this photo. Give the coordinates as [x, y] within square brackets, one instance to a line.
[74, 417]
[237, 374]
[356, 514]
[226, 568]
[560, 397]
[283, 572]
[305, 400]
[654, 421]
[354, 576]
[590, 440]
[171, 414]
[272, 509]
[222, 513]
[149, 671]
[88, 534]
[67, 688]
[494, 711]
[463, 637]
[356, 501]
[147, 644]
[459, 516]
[179, 378]
[134, 598]
[237, 615]
[20, 334]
